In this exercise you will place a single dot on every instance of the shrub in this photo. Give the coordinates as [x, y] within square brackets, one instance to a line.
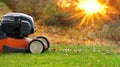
[48, 11]
[53, 15]
[31, 7]
[3, 9]
[111, 31]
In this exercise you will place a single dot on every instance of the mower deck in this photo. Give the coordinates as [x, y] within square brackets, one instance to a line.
[14, 43]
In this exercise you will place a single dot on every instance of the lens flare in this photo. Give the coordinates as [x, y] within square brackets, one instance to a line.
[90, 12]
[91, 6]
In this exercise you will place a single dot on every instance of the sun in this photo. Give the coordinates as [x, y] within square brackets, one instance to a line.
[93, 10]
[91, 6]
[90, 12]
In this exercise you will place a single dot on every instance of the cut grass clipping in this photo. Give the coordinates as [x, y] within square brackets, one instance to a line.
[65, 56]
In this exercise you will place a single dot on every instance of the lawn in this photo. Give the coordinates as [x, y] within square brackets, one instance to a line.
[65, 56]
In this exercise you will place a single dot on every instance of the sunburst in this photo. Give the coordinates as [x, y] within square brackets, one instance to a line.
[91, 11]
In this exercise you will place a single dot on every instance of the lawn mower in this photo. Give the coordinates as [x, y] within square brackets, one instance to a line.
[14, 31]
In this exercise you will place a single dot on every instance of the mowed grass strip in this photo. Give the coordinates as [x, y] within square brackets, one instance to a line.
[65, 56]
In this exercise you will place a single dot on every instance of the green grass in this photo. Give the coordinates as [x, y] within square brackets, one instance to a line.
[65, 56]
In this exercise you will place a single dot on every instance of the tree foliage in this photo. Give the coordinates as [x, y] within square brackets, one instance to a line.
[45, 10]
[32, 7]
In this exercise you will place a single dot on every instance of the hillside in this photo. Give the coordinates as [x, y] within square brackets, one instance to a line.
[53, 23]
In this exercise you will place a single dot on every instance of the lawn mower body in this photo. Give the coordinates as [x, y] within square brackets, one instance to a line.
[14, 29]
[14, 45]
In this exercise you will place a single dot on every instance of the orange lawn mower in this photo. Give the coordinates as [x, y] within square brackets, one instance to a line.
[14, 30]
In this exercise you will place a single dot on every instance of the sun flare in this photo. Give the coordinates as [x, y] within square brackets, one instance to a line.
[91, 6]
[90, 12]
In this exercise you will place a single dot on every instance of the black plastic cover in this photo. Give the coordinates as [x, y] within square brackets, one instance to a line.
[17, 24]
[2, 33]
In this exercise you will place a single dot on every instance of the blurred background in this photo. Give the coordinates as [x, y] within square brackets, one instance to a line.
[63, 22]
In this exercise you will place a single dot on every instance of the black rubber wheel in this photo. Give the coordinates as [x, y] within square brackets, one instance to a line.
[45, 40]
[36, 46]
